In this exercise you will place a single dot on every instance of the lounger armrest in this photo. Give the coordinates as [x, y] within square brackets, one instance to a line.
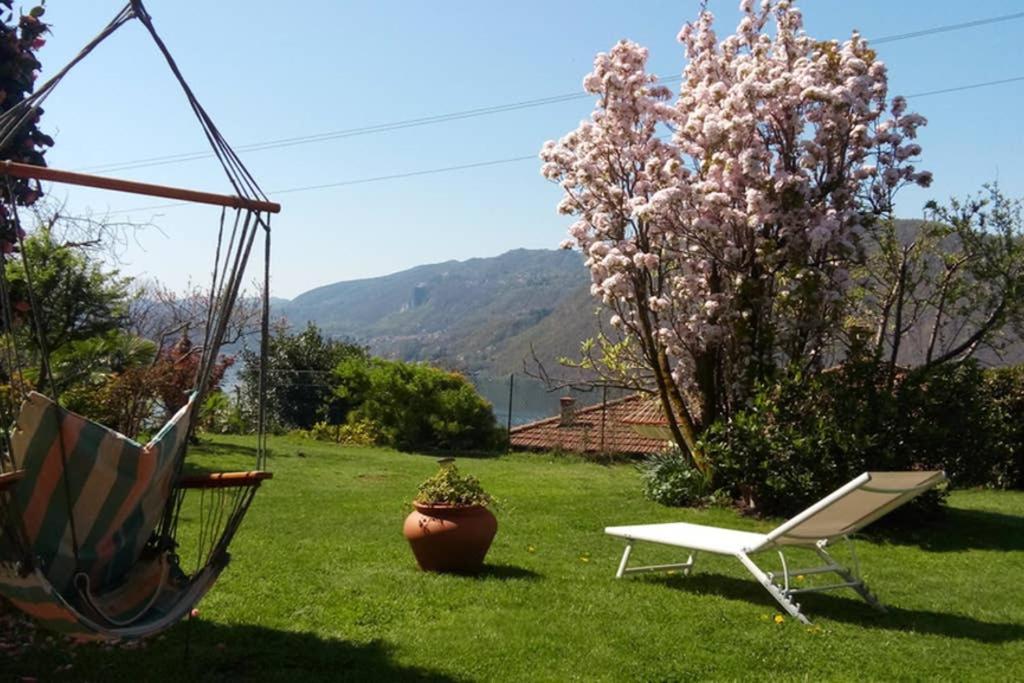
[9, 479]
[221, 480]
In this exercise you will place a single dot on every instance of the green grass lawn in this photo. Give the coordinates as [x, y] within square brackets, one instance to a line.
[323, 587]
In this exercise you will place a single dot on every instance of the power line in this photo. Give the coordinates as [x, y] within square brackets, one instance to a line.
[467, 113]
[947, 28]
[349, 132]
[356, 181]
[508, 160]
[972, 86]
[409, 174]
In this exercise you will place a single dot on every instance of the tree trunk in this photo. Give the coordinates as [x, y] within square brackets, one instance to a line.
[675, 407]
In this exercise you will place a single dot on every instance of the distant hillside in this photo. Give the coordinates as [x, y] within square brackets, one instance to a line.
[478, 315]
[483, 316]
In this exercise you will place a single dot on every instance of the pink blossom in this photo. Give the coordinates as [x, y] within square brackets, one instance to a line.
[780, 145]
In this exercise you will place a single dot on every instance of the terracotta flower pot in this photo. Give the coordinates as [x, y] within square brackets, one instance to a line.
[450, 538]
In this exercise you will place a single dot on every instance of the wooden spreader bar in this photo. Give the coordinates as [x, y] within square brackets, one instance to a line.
[222, 480]
[13, 168]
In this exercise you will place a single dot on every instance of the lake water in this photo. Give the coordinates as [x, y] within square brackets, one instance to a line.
[531, 399]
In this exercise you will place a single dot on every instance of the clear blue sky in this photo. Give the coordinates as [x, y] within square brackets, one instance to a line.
[270, 70]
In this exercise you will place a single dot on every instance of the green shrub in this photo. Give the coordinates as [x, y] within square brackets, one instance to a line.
[310, 378]
[1004, 395]
[449, 487]
[798, 440]
[323, 431]
[359, 432]
[220, 415]
[410, 406]
[420, 407]
[805, 435]
[942, 420]
[669, 479]
[966, 420]
[355, 432]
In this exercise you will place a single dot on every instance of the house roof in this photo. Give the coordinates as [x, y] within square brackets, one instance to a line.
[646, 411]
[588, 433]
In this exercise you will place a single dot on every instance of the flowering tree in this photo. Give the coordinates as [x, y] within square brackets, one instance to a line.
[718, 228]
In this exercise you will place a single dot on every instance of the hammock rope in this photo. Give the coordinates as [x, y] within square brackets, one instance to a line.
[20, 114]
[243, 182]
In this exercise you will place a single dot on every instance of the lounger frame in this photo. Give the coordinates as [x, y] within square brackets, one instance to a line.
[781, 584]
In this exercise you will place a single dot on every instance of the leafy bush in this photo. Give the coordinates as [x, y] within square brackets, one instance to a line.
[302, 382]
[965, 420]
[804, 436]
[419, 407]
[323, 431]
[1004, 396]
[220, 415]
[335, 391]
[791, 445]
[355, 432]
[359, 432]
[670, 479]
[449, 487]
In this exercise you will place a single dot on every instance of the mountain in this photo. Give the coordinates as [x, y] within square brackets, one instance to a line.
[486, 316]
[479, 315]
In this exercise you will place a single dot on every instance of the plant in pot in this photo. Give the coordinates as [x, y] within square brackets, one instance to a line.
[450, 528]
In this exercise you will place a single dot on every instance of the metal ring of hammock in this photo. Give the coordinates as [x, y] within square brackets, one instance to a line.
[50, 563]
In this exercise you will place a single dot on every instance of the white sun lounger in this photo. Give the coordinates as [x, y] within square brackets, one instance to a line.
[843, 512]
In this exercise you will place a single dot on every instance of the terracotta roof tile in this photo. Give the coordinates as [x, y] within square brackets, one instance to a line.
[647, 411]
[585, 434]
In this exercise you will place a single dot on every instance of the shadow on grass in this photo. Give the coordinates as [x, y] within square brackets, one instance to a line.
[208, 447]
[497, 572]
[505, 572]
[961, 529]
[218, 652]
[448, 453]
[852, 610]
[217, 450]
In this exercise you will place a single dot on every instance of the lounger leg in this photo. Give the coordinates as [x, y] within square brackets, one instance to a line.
[625, 560]
[690, 561]
[624, 567]
[855, 582]
[791, 607]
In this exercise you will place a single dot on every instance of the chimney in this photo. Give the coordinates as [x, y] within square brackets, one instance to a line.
[568, 411]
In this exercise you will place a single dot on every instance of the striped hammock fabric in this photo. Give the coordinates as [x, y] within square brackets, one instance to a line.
[117, 490]
[33, 595]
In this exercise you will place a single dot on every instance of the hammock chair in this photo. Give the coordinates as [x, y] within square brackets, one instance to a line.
[89, 542]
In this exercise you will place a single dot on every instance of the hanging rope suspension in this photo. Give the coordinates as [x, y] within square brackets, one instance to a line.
[89, 518]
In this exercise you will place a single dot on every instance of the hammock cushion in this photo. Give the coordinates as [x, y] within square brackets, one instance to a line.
[117, 489]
